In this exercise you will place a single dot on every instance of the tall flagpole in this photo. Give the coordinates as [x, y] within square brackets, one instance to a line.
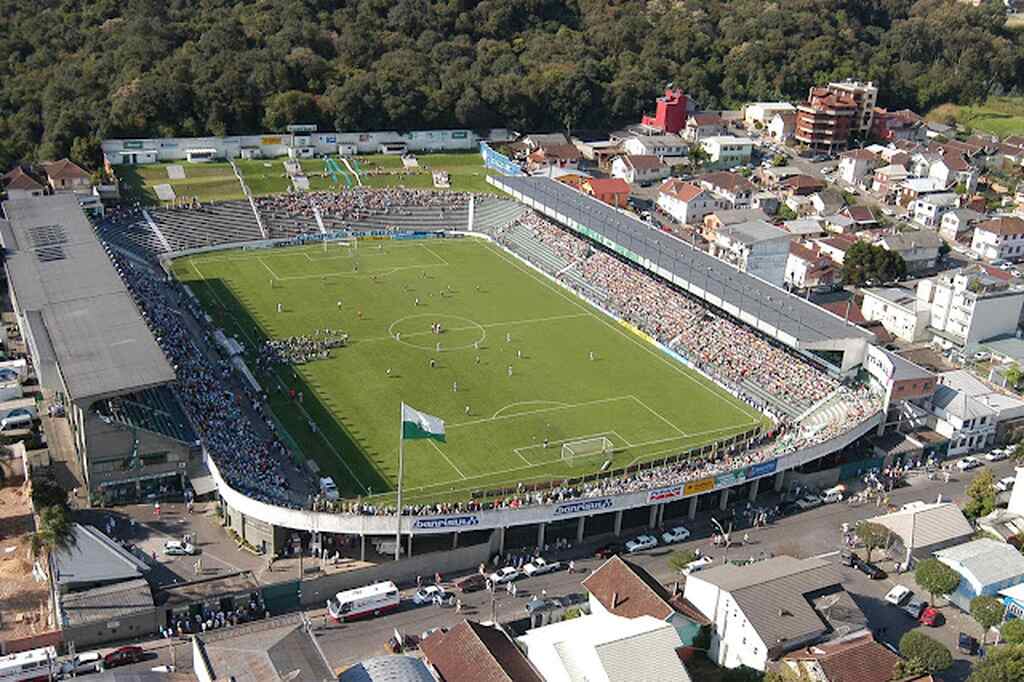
[401, 465]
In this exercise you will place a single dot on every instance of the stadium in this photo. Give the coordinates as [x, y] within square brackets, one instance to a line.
[593, 373]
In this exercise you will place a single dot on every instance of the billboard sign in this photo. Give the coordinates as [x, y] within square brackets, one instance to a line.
[697, 487]
[762, 469]
[583, 506]
[444, 522]
[666, 494]
[302, 128]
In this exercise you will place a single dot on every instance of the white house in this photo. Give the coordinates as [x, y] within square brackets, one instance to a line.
[807, 267]
[21, 185]
[968, 423]
[758, 114]
[755, 247]
[726, 151]
[782, 126]
[639, 169]
[985, 566]
[685, 202]
[734, 189]
[655, 145]
[761, 611]
[703, 125]
[855, 165]
[969, 306]
[928, 209]
[1001, 238]
[898, 310]
[958, 222]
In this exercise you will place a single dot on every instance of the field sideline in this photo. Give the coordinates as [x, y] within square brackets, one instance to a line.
[496, 314]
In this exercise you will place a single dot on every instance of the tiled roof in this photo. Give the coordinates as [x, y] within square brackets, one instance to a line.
[471, 652]
[858, 658]
[19, 179]
[860, 214]
[848, 310]
[1015, 141]
[608, 185]
[684, 191]
[65, 169]
[627, 590]
[644, 162]
[803, 182]
[859, 155]
[1003, 225]
[730, 182]
[705, 119]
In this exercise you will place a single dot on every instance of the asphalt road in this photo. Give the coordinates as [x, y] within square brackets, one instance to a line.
[813, 533]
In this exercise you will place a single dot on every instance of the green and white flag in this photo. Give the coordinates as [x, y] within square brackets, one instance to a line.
[416, 424]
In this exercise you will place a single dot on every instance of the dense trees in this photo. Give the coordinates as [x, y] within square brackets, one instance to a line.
[865, 263]
[924, 654]
[936, 577]
[80, 71]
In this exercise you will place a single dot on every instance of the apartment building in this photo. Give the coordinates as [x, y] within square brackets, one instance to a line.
[970, 305]
[825, 120]
[865, 96]
[1001, 238]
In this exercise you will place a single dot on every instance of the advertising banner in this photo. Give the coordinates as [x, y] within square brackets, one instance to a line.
[731, 478]
[696, 487]
[666, 494]
[270, 140]
[443, 522]
[583, 506]
[762, 469]
[132, 144]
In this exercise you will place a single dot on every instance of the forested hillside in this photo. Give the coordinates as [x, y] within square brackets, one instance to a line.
[75, 71]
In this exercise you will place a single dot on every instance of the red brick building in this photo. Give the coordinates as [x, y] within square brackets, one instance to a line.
[824, 121]
[669, 114]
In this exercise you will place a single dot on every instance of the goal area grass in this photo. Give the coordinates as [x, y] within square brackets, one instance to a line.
[520, 367]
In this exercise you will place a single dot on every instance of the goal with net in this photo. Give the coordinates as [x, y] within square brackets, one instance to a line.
[586, 447]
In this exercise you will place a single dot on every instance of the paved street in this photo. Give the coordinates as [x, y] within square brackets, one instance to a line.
[813, 533]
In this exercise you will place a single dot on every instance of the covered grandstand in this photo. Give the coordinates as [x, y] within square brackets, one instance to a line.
[782, 316]
[91, 345]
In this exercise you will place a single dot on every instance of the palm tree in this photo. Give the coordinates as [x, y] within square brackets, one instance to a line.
[55, 533]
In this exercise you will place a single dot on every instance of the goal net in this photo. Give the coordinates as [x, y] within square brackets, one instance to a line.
[586, 447]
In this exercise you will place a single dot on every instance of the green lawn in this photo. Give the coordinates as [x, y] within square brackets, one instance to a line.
[264, 176]
[1001, 116]
[213, 181]
[646, 404]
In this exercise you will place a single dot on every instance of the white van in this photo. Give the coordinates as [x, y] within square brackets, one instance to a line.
[371, 600]
[833, 494]
[328, 488]
[13, 422]
[18, 367]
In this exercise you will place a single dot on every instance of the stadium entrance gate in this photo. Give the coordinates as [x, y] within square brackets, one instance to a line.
[281, 597]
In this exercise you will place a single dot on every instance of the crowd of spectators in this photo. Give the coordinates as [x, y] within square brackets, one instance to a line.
[298, 350]
[358, 203]
[251, 462]
[214, 619]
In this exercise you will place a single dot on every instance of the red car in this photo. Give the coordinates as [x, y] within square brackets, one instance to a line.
[609, 550]
[124, 656]
[930, 617]
[471, 583]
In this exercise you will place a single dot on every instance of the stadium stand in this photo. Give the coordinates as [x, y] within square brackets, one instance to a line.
[218, 223]
[155, 409]
[129, 230]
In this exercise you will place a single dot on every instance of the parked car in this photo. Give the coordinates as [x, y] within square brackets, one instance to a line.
[809, 501]
[868, 569]
[930, 617]
[641, 542]
[898, 595]
[540, 566]
[89, 662]
[968, 463]
[429, 594]
[966, 644]
[608, 550]
[833, 494]
[536, 605]
[124, 656]
[915, 607]
[471, 583]
[997, 455]
[1005, 485]
[677, 534]
[505, 575]
[179, 548]
[698, 564]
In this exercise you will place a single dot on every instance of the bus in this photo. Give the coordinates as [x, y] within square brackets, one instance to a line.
[24, 666]
[371, 600]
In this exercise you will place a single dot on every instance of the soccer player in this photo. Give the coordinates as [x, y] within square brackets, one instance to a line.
[591, 355]
[455, 387]
[398, 336]
[280, 308]
[438, 346]
[433, 363]
[519, 355]
[510, 370]
[467, 410]
[546, 442]
[417, 301]
[339, 305]
[478, 359]
[508, 337]
[389, 372]
[476, 346]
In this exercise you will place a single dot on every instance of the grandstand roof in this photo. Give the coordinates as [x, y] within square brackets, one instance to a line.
[792, 315]
[81, 319]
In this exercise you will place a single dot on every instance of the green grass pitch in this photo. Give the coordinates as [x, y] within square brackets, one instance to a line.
[496, 313]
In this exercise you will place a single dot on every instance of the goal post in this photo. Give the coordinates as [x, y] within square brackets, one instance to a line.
[586, 447]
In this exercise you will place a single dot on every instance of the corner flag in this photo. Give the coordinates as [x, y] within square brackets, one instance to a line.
[416, 424]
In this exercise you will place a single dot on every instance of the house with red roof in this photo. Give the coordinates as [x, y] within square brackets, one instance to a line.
[639, 168]
[66, 176]
[854, 658]
[19, 184]
[686, 202]
[807, 267]
[612, 191]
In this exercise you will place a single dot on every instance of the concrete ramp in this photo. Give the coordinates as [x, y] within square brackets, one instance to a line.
[164, 192]
[176, 172]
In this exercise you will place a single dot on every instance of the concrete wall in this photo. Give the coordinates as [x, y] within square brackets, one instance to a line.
[125, 627]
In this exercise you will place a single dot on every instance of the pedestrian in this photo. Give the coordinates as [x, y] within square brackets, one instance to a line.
[419, 581]
[572, 566]
[458, 606]
[544, 594]
[437, 578]
[515, 590]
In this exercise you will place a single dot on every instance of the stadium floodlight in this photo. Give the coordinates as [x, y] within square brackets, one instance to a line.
[586, 447]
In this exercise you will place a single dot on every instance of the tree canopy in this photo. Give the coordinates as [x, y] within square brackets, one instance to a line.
[925, 653]
[870, 263]
[981, 495]
[76, 72]
[1002, 664]
[936, 577]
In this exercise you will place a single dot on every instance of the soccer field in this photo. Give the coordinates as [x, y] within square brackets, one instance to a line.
[515, 351]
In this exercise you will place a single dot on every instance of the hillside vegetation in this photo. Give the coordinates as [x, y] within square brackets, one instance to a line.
[75, 72]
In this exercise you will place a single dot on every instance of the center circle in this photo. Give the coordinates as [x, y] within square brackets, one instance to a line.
[457, 333]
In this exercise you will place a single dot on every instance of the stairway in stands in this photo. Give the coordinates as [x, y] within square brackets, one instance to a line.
[218, 223]
[133, 234]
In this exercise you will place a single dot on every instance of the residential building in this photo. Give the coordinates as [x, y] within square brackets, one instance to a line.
[755, 247]
[622, 588]
[968, 423]
[732, 188]
[685, 202]
[471, 652]
[639, 169]
[727, 151]
[535, 141]
[850, 312]
[764, 610]
[825, 120]
[836, 247]
[969, 306]
[1001, 238]
[803, 185]
[67, 176]
[855, 165]
[919, 249]
[760, 114]
[19, 184]
[669, 113]
[766, 201]
[915, 188]
[782, 126]
[839, 223]
[898, 310]
[806, 267]
[552, 159]
[1006, 406]
[612, 191]
[274, 650]
[805, 228]
[862, 216]
[865, 96]
[854, 658]
[896, 125]
[958, 222]
[919, 529]
[703, 125]
[985, 566]
[387, 668]
[899, 380]
[887, 180]
[928, 209]
[655, 145]
[605, 648]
